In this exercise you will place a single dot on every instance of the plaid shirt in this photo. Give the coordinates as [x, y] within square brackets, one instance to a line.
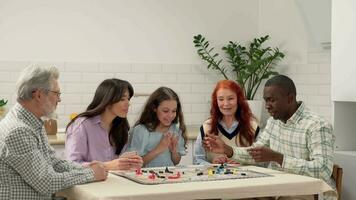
[29, 168]
[306, 141]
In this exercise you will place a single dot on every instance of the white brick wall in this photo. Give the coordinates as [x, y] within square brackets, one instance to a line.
[78, 82]
[313, 81]
[192, 82]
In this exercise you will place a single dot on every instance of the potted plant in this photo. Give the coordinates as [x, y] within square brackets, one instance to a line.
[248, 66]
[3, 102]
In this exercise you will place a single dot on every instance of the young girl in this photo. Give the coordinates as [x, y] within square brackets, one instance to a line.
[159, 136]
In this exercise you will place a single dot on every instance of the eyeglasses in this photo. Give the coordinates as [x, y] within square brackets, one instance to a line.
[56, 92]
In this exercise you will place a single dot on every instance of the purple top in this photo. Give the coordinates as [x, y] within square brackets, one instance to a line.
[87, 141]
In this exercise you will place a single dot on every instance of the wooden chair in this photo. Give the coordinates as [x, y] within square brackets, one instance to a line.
[337, 176]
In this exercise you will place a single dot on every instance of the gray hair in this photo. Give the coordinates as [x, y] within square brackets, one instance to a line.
[35, 77]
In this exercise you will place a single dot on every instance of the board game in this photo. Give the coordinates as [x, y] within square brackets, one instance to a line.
[182, 174]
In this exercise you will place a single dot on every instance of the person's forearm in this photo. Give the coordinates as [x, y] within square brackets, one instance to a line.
[110, 165]
[150, 156]
[279, 158]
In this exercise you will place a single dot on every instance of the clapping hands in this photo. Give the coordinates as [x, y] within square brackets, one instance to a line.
[170, 141]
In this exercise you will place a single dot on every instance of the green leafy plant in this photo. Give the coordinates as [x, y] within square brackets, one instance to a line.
[3, 102]
[250, 65]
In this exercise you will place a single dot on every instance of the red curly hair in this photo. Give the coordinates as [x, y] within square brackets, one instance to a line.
[243, 114]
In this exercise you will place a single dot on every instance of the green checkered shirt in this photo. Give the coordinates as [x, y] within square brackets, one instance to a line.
[306, 140]
[29, 168]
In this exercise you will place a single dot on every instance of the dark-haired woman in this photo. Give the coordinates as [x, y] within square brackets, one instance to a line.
[101, 132]
[231, 119]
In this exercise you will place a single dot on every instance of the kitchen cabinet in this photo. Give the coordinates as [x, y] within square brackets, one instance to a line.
[343, 92]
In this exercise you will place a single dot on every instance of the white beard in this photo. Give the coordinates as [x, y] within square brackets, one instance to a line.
[49, 112]
[51, 115]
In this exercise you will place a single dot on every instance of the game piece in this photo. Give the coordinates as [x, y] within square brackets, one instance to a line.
[175, 177]
[138, 172]
[210, 172]
[228, 172]
[167, 171]
[159, 176]
[234, 171]
[152, 176]
[221, 166]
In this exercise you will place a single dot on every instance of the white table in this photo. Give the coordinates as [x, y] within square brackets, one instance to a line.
[280, 184]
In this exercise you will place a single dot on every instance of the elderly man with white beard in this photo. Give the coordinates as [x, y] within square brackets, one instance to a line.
[29, 168]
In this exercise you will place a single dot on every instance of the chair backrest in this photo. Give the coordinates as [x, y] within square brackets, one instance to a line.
[337, 176]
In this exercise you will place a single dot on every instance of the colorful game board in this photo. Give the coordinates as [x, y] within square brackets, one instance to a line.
[188, 174]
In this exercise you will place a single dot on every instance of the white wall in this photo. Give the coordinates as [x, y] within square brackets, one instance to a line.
[149, 43]
[119, 30]
[307, 63]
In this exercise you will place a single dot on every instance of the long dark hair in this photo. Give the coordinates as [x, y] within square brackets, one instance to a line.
[149, 117]
[243, 114]
[109, 92]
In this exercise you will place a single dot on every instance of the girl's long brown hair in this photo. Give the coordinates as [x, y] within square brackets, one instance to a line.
[149, 117]
[109, 92]
[243, 114]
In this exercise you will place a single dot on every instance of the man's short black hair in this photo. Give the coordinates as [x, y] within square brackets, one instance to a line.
[283, 82]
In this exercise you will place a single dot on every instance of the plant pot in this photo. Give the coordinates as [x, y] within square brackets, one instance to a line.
[2, 112]
[256, 107]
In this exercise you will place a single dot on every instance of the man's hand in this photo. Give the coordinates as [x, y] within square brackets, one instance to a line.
[265, 154]
[100, 174]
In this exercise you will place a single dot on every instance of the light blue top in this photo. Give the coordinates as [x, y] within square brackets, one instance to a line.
[143, 141]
